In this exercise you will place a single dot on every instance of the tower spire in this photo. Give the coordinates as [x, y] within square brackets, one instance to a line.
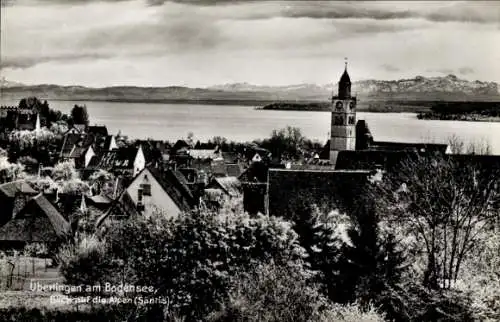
[345, 62]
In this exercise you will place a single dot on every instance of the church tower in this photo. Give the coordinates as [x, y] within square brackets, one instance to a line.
[343, 132]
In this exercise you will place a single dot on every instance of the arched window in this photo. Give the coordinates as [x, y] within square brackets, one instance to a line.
[352, 120]
[339, 120]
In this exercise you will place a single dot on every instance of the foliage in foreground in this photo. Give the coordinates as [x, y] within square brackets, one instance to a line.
[275, 293]
[191, 260]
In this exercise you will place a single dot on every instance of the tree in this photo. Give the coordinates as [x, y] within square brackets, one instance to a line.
[79, 115]
[445, 204]
[285, 144]
[10, 171]
[102, 181]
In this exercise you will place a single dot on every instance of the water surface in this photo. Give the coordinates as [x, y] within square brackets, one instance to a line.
[244, 123]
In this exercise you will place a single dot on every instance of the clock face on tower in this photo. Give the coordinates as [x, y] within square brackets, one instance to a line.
[352, 105]
[338, 106]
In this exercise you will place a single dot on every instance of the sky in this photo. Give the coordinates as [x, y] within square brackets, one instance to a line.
[200, 43]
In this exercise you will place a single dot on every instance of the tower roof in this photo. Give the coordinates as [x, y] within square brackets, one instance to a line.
[345, 76]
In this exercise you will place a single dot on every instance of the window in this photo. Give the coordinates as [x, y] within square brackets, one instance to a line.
[352, 105]
[146, 189]
[140, 193]
[352, 120]
[338, 106]
[339, 120]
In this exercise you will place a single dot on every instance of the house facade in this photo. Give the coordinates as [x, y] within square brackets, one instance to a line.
[153, 190]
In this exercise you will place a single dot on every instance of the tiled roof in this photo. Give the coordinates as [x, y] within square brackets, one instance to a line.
[180, 144]
[204, 154]
[175, 185]
[121, 158]
[189, 174]
[213, 194]
[75, 141]
[10, 189]
[122, 208]
[233, 170]
[257, 172]
[290, 191]
[103, 143]
[371, 159]
[401, 146]
[230, 157]
[60, 225]
[219, 168]
[78, 151]
[38, 221]
[230, 185]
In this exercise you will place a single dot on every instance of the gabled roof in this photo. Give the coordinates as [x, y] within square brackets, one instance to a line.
[230, 185]
[61, 226]
[176, 186]
[122, 208]
[75, 141]
[103, 143]
[180, 144]
[121, 158]
[204, 154]
[10, 189]
[38, 221]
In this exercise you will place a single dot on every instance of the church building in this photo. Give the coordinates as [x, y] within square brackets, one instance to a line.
[343, 123]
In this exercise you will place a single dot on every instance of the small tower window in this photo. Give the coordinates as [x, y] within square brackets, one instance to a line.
[352, 120]
[338, 106]
[352, 105]
[339, 120]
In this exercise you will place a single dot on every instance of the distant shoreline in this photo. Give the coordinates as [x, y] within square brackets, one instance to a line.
[365, 106]
[458, 117]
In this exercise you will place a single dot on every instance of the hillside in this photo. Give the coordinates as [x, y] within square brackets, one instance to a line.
[449, 88]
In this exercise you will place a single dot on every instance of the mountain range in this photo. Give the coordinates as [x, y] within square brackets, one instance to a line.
[447, 88]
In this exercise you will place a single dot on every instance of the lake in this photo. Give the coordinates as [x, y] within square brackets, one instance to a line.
[244, 123]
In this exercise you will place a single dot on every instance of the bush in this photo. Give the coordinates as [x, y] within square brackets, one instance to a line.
[413, 302]
[276, 293]
[271, 293]
[190, 260]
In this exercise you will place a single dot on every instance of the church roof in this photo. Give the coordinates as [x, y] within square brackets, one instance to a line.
[345, 77]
